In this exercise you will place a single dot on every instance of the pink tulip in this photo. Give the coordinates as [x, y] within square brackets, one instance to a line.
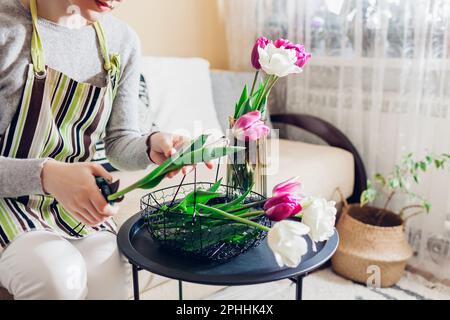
[261, 42]
[287, 187]
[302, 56]
[282, 43]
[249, 127]
[282, 207]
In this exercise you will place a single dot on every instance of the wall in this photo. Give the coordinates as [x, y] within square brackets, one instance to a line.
[184, 28]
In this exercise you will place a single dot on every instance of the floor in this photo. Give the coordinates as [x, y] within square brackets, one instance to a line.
[326, 285]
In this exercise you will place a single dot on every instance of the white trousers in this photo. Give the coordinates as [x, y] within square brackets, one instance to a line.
[42, 265]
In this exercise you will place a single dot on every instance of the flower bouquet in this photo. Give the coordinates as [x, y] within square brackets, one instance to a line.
[249, 122]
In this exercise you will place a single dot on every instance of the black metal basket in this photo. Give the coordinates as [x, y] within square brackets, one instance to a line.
[207, 238]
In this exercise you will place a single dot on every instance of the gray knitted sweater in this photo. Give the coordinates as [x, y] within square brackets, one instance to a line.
[74, 52]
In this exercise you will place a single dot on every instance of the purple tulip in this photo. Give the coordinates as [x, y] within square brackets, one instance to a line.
[249, 127]
[261, 42]
[302, 56]
[287, 187]
[282, 207]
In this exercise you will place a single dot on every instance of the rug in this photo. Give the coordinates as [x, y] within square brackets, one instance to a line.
[326, 285]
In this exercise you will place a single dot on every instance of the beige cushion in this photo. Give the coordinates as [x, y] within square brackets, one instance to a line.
[321, 169]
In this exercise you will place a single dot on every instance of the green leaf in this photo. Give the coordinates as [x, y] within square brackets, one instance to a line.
[157, 175]
[199, 196]
[152, 183]
[438, 163]
[215, 186]
[364, 199]
[239, 106]
[204, 154]
[427, 206]
[236, 202]
[247, 107]
[380, 179]
[423, 166]
[394, 183]
[367, 196]
[429, 159]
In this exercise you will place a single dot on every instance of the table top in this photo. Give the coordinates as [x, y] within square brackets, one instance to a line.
[257, 265]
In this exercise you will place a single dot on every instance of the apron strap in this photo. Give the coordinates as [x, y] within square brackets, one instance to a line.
[37, 51]
[111, 63]
[103, 45]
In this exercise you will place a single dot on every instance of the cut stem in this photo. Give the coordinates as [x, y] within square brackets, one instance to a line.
[252, 214]
[233, 217]
[248, 206]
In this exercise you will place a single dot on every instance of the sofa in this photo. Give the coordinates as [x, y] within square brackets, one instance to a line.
[184, 91]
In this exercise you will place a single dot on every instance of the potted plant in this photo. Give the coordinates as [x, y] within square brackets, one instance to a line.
[372, 238]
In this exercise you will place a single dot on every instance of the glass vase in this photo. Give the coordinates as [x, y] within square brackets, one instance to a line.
[249, 167]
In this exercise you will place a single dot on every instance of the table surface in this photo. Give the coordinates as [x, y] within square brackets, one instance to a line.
[257, 265]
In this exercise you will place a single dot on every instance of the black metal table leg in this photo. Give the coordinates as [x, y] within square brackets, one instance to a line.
[299, 288]
[180, 290]
[135, 282]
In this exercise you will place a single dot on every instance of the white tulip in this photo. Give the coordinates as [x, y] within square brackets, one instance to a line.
[320, 216]
[278, 61]
[286, 241]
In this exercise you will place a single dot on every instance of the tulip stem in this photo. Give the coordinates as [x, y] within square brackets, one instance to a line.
[251, 214]
[269, 84]
[248, 206]
[233, 217]
[254, 83]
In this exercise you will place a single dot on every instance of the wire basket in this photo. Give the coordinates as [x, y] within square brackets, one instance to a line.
[199, 236]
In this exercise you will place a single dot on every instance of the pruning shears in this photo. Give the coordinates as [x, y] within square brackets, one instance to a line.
[108, 188]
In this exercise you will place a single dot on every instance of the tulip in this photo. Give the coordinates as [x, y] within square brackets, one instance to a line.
[287, 243]
[261, 42]
[279, 43]
[279, 62]
[320, 216]
[249, 127]
[289, 186]
[282, 207]
[300, 53]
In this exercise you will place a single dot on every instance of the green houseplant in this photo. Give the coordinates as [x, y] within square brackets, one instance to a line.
[373, 237]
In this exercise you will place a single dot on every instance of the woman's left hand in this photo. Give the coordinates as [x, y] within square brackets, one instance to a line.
[163, 145]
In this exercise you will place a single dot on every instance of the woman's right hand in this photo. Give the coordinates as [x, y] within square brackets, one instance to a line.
[73, 186]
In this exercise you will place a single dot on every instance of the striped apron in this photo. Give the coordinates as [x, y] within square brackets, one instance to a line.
[57, 118]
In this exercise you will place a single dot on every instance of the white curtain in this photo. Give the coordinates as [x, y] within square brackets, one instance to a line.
[380, 72]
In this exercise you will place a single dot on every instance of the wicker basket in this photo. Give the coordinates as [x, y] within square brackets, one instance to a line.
[363, 245]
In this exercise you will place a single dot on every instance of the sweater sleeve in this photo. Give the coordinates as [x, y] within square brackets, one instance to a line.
[20, 177]
[126, 146]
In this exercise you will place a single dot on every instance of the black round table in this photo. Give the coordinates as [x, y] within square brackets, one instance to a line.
[256, 266]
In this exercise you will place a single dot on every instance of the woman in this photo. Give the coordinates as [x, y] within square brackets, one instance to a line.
[61, 90]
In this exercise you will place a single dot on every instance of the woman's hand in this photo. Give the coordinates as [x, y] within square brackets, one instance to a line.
[74, 186]
[164, 145]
